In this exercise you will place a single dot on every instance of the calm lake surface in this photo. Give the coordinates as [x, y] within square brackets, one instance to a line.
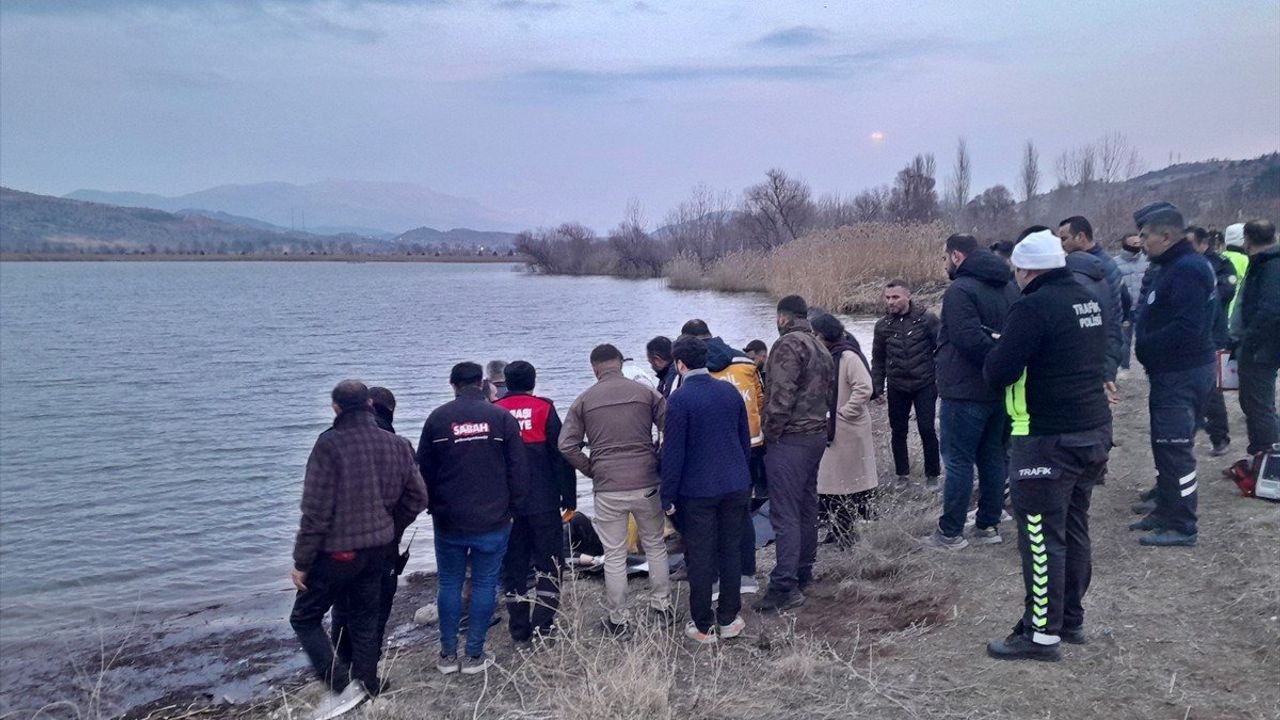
[155, 418]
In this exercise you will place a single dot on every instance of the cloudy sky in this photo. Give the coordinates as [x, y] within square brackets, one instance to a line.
[553, 109]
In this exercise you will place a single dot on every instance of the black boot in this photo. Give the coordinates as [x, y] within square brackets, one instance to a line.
[1075, 636]
[778, 600]
[1020, 647]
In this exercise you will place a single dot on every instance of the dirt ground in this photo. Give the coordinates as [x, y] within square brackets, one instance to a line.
[894, 631]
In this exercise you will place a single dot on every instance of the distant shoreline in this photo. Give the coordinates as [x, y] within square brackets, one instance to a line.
[106, 257]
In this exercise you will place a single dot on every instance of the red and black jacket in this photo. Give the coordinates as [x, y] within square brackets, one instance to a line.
[552, 481]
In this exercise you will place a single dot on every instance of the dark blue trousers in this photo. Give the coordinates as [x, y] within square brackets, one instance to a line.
[1177, 403]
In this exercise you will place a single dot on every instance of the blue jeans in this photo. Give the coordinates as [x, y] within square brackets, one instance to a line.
[485, 551]
[972, 434]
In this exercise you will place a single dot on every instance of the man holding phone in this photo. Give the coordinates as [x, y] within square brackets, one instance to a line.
[616, 417]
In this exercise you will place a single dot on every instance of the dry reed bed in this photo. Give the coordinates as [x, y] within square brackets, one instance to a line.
[844, 269]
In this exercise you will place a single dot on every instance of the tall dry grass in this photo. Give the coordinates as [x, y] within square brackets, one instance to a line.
[845, 269]
[684, 272]
[740, 271]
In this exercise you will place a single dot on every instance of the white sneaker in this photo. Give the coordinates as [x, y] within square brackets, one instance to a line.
[692, 632]
[336, 704]
[733, 629]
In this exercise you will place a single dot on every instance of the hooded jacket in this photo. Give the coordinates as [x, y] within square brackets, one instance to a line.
[1051, 358]
[616, 416]
[800, 375]
[735, 368]
[1260, 310]
[1226, 282]
[1131, 266]
[552, 482]
[1091, 272]
[902, 348]
[1174, 326]
[973, 309]
[1239, 260]
[473, 462]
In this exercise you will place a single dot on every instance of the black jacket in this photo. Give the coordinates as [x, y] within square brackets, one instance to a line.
[667, 380]
[1174, 328]
[973, 309]
[473, 461]
[902, 348]
[1260, 310]
[552, 481]
[1091, 272]
[1051, 358]
[1225, 274]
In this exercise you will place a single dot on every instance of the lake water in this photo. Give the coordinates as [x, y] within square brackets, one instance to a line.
[155, 418]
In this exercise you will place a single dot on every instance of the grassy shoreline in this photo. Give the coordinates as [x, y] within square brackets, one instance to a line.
[385, 258]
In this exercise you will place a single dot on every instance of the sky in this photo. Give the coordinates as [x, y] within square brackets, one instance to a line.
[554, 110]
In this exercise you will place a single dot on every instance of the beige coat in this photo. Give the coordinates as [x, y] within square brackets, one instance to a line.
[849, 464]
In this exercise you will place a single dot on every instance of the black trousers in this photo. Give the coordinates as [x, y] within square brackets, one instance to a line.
[338, 631]
[356, 584]
[793, 506]
[1215, 418]
[1051, 479]
[759, 492]
[925, 402]
[1176, 404]
[712, 529]
[537, 545]
[1258, 401]
[840, 512]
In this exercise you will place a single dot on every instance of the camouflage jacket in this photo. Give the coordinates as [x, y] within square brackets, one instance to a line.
[800, 374]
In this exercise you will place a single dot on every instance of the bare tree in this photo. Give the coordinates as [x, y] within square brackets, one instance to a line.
[778, 210]
[914, 197]
[992, 211]
[639, 254]
[1030, 175]
[1077, 166]
[961, 175]
[870, 205]
[699, 226]
[835, 211]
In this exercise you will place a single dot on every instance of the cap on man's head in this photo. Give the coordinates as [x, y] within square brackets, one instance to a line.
[793, 305]
[1039, 251]
[1233, 236]
[466, 373]
[1161, 214]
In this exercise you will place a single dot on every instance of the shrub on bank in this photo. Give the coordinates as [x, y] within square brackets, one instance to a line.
[845, 268]
[684, 273]
[739, 271]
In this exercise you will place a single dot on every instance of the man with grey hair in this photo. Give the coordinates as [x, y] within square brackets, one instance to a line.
[1173, 340]
[494, 372]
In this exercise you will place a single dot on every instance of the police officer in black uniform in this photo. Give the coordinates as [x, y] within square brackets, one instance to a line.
[1051, 360]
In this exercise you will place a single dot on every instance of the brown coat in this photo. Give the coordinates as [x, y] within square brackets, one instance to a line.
[616, 417]
[849, 464]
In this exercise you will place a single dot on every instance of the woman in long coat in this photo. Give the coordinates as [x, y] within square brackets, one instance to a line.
[847, 475]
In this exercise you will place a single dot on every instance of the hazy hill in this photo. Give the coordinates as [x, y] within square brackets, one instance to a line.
[40, 223]
[380, 207]
[457, 237]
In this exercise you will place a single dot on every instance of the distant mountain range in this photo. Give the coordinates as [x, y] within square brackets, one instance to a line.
[31, 223]
[373, 209]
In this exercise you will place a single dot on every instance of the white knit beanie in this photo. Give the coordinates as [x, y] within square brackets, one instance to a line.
[1234, 235]
[1039, 251]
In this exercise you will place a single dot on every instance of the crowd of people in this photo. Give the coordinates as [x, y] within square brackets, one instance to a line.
[1024, 357]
